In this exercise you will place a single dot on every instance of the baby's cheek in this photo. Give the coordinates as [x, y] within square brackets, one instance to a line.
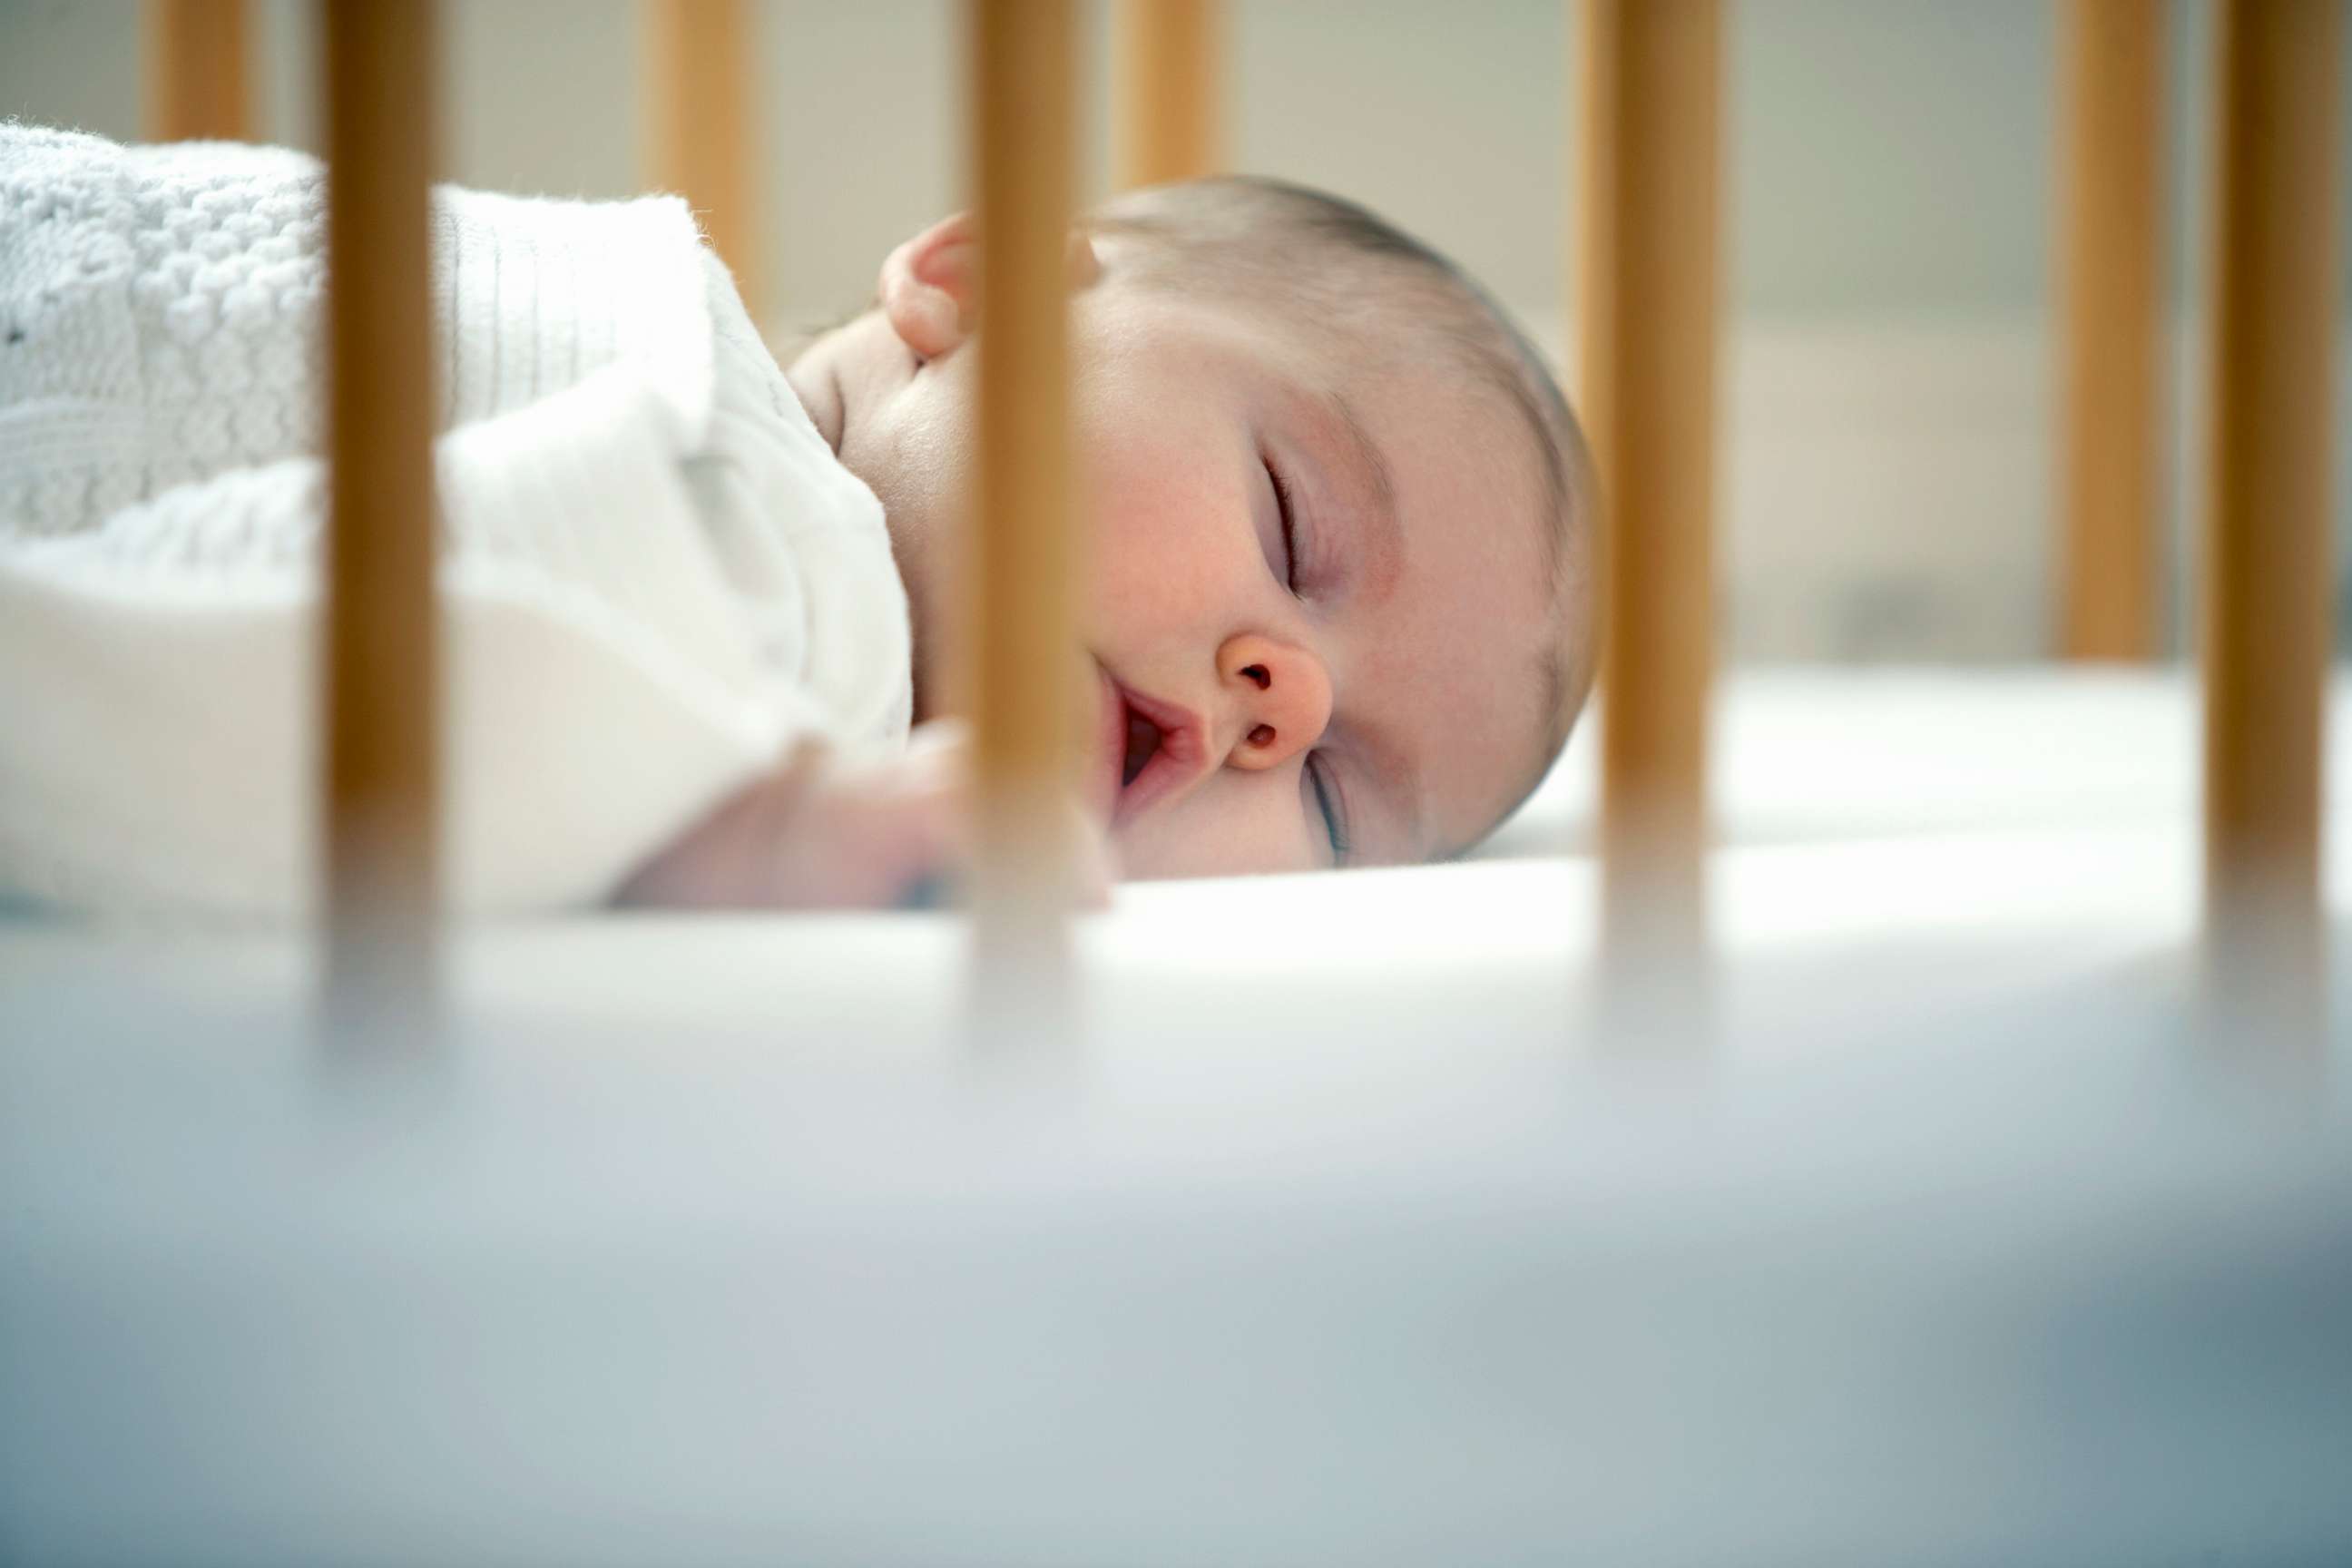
[1145, 583]
[1168, 524]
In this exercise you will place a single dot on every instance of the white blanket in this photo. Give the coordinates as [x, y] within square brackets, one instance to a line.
[653, 572]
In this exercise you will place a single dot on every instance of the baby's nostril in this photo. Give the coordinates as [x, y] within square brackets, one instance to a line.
[1257, 672]
[1261, 736]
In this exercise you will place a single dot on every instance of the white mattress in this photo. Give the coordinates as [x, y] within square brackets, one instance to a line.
[1345, 1233]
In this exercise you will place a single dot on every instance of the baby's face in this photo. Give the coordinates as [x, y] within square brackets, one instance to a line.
[1317, 597]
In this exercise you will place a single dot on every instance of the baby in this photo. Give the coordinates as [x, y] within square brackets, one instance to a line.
[1336, 607]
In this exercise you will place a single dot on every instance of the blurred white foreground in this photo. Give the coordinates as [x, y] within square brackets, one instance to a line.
[1344, 1237]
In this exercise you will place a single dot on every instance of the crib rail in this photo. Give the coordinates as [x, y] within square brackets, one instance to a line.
[1646, 319]
[382, 817]
[1647, 325]
[702, 126]
[1168, 98]
[2279, 97]
[2109, 222]
[197, 53]
[1024, 683]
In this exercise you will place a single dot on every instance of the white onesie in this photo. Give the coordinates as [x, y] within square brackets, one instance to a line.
[654, 575]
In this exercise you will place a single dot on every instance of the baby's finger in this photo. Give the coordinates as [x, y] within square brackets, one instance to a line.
[1094, 863]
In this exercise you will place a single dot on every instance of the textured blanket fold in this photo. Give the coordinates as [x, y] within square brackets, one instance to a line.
[654, 575]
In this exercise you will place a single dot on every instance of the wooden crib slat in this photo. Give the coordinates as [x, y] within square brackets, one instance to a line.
[2109, 223]
[381, 817]
[1169, 91]
[2268, 566]
[196, 71]
[1022, 672]
[1647, 324]
[702, 130]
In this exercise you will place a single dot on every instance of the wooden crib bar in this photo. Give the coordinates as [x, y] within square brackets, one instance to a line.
[2269, 565]
[381, 817]
[702, 133]
[195, 71]
[1646, 322]
[1024, 683]
[1168, 98]
[2111, 255]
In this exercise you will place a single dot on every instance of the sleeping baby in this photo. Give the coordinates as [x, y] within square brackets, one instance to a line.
[699, 608]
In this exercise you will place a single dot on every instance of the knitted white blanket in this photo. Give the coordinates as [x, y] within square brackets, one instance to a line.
[653, 572]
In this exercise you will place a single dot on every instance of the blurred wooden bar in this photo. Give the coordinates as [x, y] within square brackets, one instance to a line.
[702, 128]
[1168, 100]
[381, 819]
[2111, 266]
[1646, 322]
[1023, 101]
[2268, 568]
[197, 88]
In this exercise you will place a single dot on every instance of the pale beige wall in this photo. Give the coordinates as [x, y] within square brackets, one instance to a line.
[1884, 154]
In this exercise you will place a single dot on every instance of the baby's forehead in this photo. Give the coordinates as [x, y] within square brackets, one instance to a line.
[1484, 464]
[1499, 520]
[1345, 298]
[1447, 357]
[1472, 657]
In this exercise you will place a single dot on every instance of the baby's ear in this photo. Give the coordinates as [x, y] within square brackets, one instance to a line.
[929, 288]
[930, 285]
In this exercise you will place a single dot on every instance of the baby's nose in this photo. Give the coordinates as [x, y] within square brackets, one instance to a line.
[1280, 696]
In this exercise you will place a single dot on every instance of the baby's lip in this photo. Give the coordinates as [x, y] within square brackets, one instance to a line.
[1110, 747]
[1176, 760]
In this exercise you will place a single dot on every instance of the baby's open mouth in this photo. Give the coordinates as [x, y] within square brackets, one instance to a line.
[1149, 749]
[1142, 745]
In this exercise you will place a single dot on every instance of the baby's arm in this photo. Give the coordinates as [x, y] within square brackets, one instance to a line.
[817, 833]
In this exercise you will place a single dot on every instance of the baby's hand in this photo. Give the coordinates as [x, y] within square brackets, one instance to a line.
[819, 833]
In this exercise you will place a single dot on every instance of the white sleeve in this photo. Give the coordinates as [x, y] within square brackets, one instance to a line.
[159, 717]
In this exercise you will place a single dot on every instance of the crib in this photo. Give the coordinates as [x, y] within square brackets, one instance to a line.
[1879, 1118]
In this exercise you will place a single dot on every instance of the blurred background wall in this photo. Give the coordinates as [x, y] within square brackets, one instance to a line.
[1886, 380]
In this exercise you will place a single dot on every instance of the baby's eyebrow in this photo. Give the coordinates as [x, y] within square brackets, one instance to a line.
[1368, 451]
[1381, 532]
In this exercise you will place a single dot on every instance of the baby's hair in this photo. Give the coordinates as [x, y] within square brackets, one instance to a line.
[1245, 235]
